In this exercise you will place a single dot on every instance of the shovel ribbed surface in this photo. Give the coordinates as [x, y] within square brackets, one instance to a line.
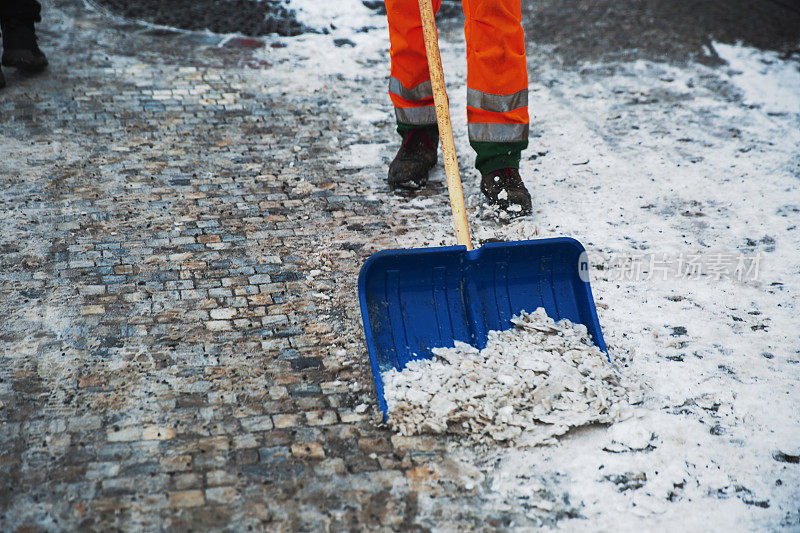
[416, 300]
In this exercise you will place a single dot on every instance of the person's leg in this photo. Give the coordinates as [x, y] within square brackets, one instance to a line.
[20, 49]
[21, 9]
[412, 96]
[497, 97]
[410, 81]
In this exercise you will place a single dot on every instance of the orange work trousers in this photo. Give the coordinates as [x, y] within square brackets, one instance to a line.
[497, 74]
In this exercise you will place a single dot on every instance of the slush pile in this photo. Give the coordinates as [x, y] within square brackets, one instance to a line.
[529, 385]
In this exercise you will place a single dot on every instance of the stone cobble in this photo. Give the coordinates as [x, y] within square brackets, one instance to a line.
[182, 221]
[181, 344]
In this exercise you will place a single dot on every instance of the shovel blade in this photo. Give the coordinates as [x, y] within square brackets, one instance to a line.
[418, 299]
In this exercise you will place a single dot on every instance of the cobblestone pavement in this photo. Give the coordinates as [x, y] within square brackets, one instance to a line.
[168, 362]
[180, 342]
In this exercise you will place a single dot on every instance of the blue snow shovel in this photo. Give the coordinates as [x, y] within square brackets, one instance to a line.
[418, 299]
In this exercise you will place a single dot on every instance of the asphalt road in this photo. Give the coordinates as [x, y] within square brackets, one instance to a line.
[578, 30]
[666, 30]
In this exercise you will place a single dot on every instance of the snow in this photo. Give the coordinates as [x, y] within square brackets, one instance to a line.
[341, 15]
[360, 152]
[318, 56]
[764, 78]
[636, 160]
[529, 385]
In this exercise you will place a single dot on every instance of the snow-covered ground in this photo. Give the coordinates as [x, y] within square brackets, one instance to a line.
[656, 168]
[765, 79]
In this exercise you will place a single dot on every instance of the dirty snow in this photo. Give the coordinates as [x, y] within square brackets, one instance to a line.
[342, 15]
[529, 385]
[634, 159]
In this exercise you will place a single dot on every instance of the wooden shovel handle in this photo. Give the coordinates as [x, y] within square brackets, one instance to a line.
[445, 128]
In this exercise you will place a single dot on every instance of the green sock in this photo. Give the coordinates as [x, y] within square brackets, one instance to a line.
[494, 156]
[402, 129]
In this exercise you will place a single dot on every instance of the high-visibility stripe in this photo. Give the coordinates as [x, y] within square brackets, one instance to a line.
[515, 116]
[416, 115]
[497, 103]
[420, 92]
[497, 133]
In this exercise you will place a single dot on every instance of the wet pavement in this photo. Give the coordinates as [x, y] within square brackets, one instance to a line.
[180, 340]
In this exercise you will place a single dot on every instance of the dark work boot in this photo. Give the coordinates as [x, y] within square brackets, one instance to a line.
[414, 160]
[2, 79]
[504, 189]
[20, 49]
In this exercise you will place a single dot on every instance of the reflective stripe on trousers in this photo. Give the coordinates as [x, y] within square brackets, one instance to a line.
[497, 76]
[420, 92]
[488, 132]
[416, 115]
